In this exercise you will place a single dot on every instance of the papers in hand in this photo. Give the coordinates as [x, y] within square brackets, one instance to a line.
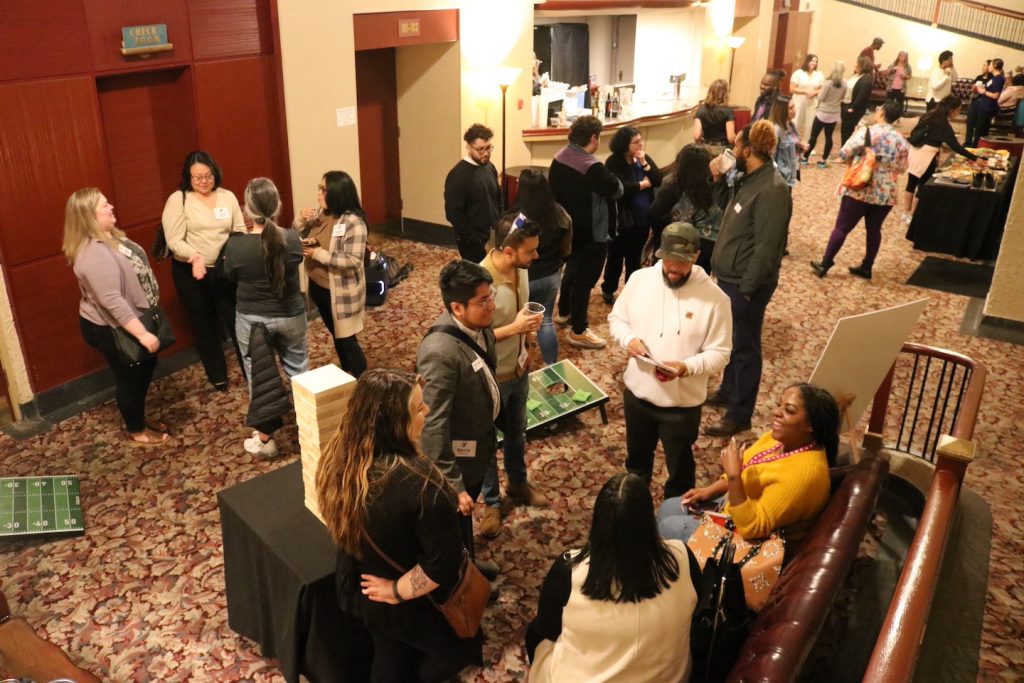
[656, 363]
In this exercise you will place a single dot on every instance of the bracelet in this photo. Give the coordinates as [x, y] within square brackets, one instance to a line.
[394, 591]
[4, 619]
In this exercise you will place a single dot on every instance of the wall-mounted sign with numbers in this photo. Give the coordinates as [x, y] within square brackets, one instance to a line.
[30, 506]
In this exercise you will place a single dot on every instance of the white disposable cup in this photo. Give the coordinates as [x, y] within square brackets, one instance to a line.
[726, 161]
[533, 308]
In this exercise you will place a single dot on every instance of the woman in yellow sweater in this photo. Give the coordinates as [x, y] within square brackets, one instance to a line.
[780, 482]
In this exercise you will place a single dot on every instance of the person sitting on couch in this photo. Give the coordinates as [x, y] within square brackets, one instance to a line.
[780, 482]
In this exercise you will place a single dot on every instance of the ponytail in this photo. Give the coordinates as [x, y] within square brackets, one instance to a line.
[263, 203]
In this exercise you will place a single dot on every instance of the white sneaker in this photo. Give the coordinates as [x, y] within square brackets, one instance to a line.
[257, 446]
[585, 340]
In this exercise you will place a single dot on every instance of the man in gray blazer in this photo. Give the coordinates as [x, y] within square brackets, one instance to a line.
[457, 359]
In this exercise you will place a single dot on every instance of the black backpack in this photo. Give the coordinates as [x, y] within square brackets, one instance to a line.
[919, 134]
[721, 620]
[383, 273]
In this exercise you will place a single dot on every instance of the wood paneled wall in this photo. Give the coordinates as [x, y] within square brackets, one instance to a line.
[77, 113]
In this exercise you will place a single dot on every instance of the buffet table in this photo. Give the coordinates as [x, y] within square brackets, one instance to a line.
[956, 219]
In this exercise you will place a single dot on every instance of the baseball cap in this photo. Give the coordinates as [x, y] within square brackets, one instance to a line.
[679, 242]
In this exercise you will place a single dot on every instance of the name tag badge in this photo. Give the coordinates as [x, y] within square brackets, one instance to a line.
[339, 230]
[464, 449]
[125, 251]
[221, 213]
[478, 364]
[737, 208]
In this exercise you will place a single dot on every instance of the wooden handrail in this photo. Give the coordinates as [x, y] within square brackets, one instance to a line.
[983, 7]
[899, 642]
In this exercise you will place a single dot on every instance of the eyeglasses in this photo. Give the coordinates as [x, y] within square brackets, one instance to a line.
[205, 178]
[481, 150]
[486, 301]
[321, 188]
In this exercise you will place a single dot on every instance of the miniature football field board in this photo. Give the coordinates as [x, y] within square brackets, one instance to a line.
[31, 506]
[560, 390]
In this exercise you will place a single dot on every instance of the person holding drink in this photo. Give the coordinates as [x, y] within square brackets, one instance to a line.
[515, 322]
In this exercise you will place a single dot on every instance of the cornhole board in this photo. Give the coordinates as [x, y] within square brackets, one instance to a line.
[33, 506]
[558, 391]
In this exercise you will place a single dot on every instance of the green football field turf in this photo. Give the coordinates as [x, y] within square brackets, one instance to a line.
[40, 505]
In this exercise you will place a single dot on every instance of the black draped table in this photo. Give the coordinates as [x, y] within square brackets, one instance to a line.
[279, 578]
[961, 221]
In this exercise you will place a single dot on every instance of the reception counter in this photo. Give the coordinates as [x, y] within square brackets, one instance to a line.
[666, 127]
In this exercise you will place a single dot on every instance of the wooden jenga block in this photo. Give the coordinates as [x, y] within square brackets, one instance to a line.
[321, 399]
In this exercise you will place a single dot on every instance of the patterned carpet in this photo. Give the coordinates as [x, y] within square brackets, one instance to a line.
[140, 597]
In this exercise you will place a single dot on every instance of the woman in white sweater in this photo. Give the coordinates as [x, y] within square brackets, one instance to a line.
[619, 608]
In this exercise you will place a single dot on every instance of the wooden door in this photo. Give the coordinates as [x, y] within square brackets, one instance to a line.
[377, 108]
[790, 40]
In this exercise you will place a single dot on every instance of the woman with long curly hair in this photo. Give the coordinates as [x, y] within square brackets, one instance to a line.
[382, 500]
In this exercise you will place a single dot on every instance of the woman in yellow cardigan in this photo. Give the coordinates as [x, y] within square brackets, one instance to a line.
[780, 482]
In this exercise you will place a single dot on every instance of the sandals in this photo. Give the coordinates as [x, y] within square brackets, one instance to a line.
[152, 438]
[157, 426]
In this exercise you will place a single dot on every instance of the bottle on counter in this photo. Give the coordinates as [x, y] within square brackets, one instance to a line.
[615, 106]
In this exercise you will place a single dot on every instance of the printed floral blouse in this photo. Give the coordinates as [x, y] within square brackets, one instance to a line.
[891, 151]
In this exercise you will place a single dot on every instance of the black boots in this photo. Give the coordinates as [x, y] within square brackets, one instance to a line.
[861, 271]
[820, 268]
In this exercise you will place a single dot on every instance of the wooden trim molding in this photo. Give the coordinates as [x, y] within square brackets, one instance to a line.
[396, 29]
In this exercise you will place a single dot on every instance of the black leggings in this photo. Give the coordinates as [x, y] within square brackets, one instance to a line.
[210, 304]
[979, 121]
[131, 381]
[816, 127]
[849, 123]
[350, 354]
[913, 182]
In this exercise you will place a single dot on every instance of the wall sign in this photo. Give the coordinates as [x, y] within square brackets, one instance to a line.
[408, 28]
[144, 40]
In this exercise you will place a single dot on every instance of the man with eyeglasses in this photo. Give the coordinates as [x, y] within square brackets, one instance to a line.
[471, 200]
[516, 239]
[458, 361]
[586, 190]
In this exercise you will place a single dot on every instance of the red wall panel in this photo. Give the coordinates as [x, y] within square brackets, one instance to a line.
[240, 125]
[45, 296]
[149, 125]
[230, 28]
[106, 19]
[50, 145]
[377, 108]
[42, 38]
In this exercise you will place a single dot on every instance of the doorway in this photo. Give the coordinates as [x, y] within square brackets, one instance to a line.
[791, 36]
[377, 109]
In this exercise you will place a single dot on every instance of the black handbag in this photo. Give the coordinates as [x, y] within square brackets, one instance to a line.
[721, 621]
[155, 321]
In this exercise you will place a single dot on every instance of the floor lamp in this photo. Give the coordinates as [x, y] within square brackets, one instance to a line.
[733, 42]
[505, 78]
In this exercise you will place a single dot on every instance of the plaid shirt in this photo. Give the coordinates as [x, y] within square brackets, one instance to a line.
[347, 277]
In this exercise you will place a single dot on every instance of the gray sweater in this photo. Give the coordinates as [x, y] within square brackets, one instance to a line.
[831, 97]
[112, 293]
[755, 225]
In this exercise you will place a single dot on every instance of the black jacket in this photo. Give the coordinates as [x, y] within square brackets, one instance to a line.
[618, 166]
[585, 194]
[472, 202]
[269, 399]
[861, 95]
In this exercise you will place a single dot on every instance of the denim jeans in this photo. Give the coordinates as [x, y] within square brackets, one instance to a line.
[675, 522]
[543, 290]
[743, 373]
[289, 339]
[514, 393]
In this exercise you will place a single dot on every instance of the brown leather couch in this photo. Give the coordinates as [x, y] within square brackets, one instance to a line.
[787, 627]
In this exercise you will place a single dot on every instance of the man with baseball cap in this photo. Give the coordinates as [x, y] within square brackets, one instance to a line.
[676, 325]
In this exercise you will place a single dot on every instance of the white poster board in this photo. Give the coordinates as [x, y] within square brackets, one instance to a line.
[861, 351]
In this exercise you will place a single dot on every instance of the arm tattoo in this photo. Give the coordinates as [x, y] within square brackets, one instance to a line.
[419, 581]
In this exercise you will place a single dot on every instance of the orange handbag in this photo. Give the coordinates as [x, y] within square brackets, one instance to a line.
[862, 167]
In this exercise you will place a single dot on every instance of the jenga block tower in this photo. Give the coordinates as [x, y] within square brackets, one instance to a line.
[321, 400]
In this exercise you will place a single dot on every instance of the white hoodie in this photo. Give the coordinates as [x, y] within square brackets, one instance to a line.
[692, 324]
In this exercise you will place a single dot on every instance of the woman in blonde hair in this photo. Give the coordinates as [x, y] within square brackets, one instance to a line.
[382, 500]
[714, 123]
[117, 285]
[264, 263]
